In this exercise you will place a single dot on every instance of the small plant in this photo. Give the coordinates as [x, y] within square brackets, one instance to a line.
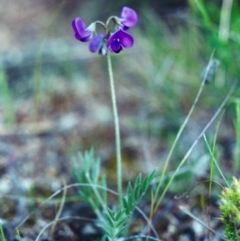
[230, 210]
[87, 170]
[104, 43]
[113, 221]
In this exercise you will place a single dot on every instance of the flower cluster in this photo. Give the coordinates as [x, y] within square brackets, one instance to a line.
[113, 41]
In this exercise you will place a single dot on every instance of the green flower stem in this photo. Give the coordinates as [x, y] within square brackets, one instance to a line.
[117, 129]
[225, 17]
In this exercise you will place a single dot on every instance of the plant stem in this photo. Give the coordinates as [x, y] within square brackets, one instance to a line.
[117, 129]
[195, 143]
[156, 204]
[224, 26]
[237, 135]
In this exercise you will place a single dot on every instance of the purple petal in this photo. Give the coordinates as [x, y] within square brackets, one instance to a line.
[118, 40]
[81, 33]
[129, 17]
[96, 43]
[116, 47]
[126, 39]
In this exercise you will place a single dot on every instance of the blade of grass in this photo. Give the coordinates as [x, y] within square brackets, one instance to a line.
[215, 161]
[59, 210]
[202, 9]
[2, 233]
[236, 162]
[180, 132]
[224, 26]
[195, 143]
[201, 222]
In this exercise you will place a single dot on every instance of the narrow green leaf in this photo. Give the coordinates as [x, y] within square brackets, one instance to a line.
[121, 230]
[137, 194]
[203, 11]
[110, 213]
[103, 193]
[2, 233]
[105, 229]
[109, 219]
[125, 205]
[96, 171]
[122, 222]
[147, 181]
[151, 176]
[138, 180]
[144, 186]
[118, 215]
[130, 197]
[137, 187]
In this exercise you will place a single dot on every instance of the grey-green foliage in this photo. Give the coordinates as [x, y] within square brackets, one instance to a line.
[114, 223]
[87, 170]
[116, 220]
[136, 192]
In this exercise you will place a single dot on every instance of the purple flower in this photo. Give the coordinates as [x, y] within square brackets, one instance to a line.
[129, 18]
[82, 33]
[118, 40]
[97, 43]
[103, 42]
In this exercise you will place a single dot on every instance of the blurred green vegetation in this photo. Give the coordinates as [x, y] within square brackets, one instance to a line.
[185, 50]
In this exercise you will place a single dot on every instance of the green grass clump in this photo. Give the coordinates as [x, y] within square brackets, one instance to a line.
[230, 210]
